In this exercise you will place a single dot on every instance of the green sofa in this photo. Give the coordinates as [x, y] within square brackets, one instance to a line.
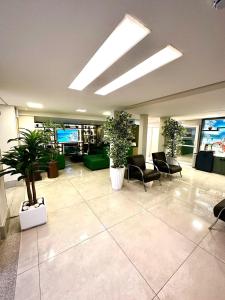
[97, 161]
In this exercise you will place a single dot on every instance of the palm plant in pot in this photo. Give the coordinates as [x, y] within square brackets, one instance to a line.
[23, 159]
[118, 133]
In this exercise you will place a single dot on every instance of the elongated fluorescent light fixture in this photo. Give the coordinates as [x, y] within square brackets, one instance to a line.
[161, 58]
[34, 105]
[125, 36]
[82, 110]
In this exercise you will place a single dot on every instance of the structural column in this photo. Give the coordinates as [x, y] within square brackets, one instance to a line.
[3, 210]
[143, 133]
[161, 142]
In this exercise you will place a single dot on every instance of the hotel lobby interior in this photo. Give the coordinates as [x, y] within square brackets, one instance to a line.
[115, 184]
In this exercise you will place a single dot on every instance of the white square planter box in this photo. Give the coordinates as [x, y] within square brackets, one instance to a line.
[33, 216]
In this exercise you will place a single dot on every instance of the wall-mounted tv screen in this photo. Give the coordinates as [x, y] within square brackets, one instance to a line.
[213, 136]
[69, 135]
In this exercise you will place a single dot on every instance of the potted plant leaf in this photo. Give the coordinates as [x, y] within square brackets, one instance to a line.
[173, 132]
[118, 133]
[22, 160]
[56, 161]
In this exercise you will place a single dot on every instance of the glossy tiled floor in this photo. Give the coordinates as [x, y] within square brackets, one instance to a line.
[100, 244]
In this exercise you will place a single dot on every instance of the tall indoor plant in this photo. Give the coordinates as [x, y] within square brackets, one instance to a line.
[118, 133]
[23, 159]
[56, 161]
[173, 132]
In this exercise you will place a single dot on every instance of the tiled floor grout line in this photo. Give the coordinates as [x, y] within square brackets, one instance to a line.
[138, 271]
[171, 227]
[62, 252]
[111, 192]
[146, 210]
[192, 251]
[28, 269]
[17, 266]
[73, 246]
[106, 229]
[211, 253]
[39, 273]
[196, 247]
[135, 267]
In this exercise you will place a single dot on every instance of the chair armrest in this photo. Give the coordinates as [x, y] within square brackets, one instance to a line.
[162, 161]
[139, 169]
[151, 163]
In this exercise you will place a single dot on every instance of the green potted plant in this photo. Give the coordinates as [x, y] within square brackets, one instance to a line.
[22, 160]
[173, 132]
[56, 161]
[118, 133]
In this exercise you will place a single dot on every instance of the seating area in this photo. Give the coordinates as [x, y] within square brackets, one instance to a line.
[112, 150]
[137, 170]
[97, 159]
[161, 163]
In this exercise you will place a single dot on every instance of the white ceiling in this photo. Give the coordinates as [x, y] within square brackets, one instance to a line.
[46, 43]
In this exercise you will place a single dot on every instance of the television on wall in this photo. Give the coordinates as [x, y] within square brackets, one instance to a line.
[69, 135]
[213, 136]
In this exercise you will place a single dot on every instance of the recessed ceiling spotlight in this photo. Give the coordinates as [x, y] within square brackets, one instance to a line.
[125, 36]
[159, 59]
[34, 105]
[81, 110]
[107, 113]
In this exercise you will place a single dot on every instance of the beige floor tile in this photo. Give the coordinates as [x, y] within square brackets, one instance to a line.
[114, 208]
[59, 194]
[27, 285]
[202, 277]
[214, 242]
[65, 228]
[90, 177]
[96, 269]
[156, 249]
[28, 255]
[74, 171]
[181, 219]
[155, 194]
[95, 188]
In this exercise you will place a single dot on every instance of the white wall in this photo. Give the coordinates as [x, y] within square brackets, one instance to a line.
[153, 137]
[143, 133]
[26, 122]
[3, 203]
[8, 130]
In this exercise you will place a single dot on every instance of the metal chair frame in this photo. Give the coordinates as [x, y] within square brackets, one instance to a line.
[214, 223]
[168, 167]
[142, 174]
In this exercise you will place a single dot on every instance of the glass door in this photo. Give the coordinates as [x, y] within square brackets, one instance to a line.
[187, 148]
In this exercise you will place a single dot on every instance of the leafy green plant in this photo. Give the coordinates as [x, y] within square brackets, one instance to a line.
[50, 130]
[173, 132]
[118, 133]
[24, 158]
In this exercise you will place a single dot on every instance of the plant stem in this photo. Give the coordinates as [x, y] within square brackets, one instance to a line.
[33, 190]
[29, 194]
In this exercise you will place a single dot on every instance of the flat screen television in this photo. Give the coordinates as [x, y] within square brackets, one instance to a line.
[69, 135]
[213, 136]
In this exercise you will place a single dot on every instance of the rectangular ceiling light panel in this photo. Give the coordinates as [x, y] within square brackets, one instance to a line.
[161, 58]
[125, 36]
